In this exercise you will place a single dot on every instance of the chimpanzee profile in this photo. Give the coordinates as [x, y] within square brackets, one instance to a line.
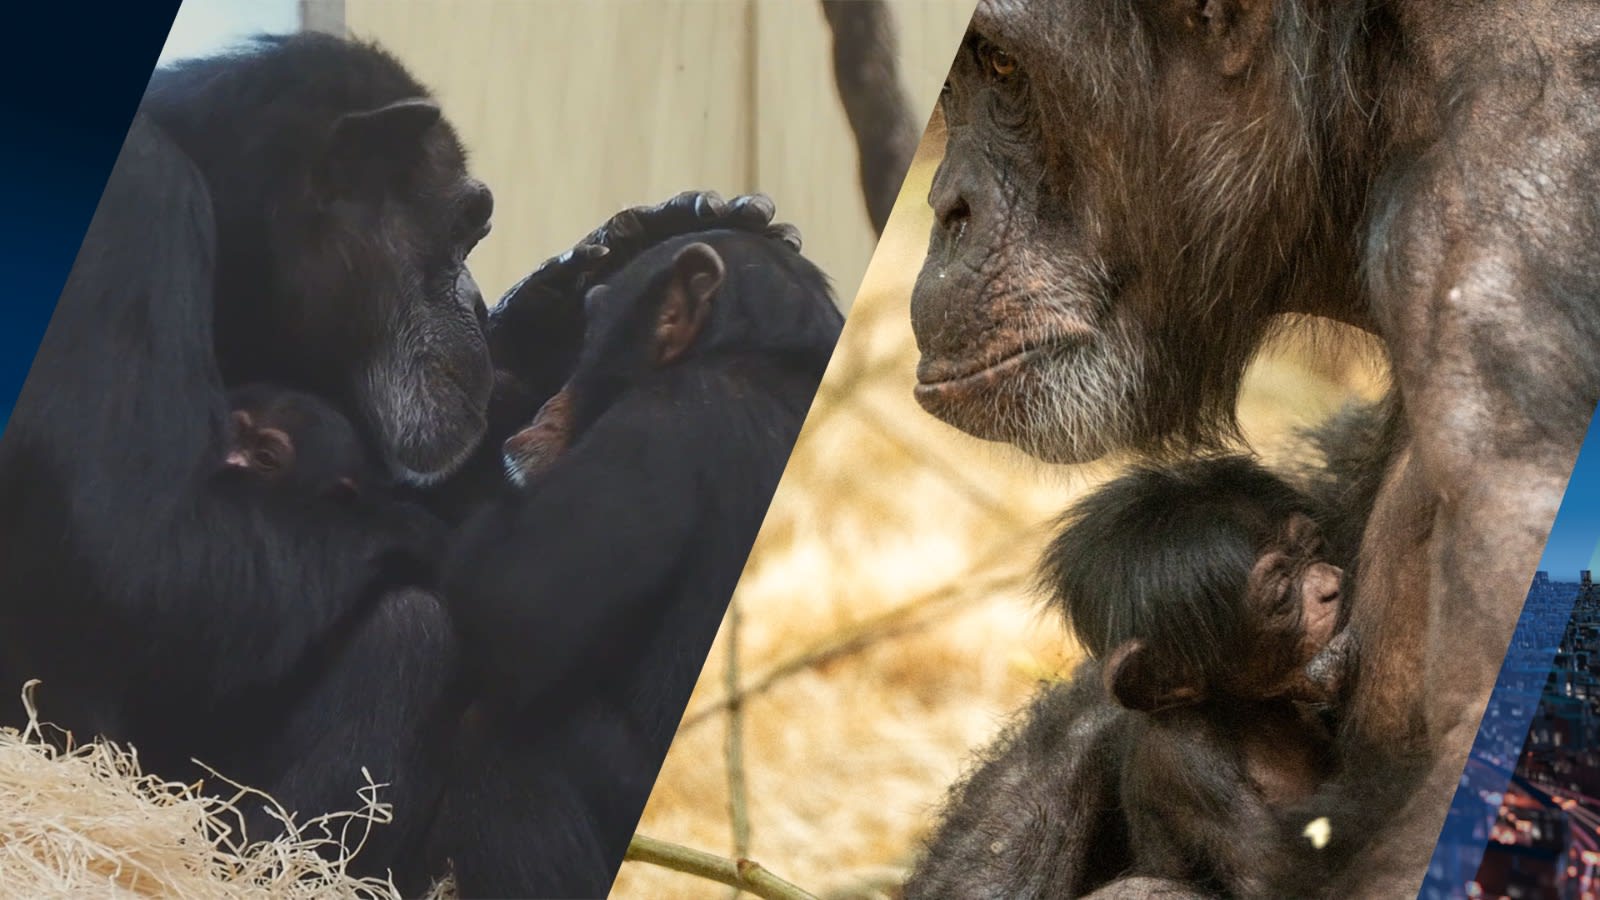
[298, 442]
[591, 592]
[1204, 591]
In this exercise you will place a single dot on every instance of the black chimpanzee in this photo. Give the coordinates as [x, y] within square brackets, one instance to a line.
[591, 593]
[297, 441]
[296, 213]
[344, 216]
[1204, 590]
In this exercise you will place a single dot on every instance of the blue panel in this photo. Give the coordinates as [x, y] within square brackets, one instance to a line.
[1519, 693]
[72, 76]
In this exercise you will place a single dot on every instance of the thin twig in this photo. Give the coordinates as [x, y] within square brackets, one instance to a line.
[738, 803]
[870, 412]
[856, 638]
[741, 873]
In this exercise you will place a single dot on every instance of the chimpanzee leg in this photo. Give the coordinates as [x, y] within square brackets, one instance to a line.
[387, 700]
[528, 814]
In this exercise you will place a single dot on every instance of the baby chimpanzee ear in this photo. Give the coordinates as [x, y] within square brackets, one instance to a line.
[697, 273]
[1137, 681]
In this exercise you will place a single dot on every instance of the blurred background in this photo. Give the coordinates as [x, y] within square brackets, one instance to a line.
[574, 109]
[884, 628]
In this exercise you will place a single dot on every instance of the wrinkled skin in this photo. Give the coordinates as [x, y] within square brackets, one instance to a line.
[1132, 191]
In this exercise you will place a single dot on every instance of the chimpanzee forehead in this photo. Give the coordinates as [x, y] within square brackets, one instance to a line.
[1059, 28]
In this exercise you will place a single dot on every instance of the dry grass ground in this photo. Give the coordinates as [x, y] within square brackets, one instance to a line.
[886, 621]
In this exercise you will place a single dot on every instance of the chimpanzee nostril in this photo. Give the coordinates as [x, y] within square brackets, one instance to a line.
[953, 215]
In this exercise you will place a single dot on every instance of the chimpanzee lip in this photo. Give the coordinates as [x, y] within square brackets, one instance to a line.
[990, 368]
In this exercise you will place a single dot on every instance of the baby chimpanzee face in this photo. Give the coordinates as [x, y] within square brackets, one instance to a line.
[1294, 595]
[297, 442]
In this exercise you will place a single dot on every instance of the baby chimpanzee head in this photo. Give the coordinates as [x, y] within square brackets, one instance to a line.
[1195, 581]
[297, 441]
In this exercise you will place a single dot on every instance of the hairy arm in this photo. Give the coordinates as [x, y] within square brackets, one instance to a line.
[1040, 816]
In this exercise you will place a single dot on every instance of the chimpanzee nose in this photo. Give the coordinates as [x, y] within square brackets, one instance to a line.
[950, 207]
[1325, 581]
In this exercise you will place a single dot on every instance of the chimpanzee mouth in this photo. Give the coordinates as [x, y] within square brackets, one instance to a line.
[944, 378]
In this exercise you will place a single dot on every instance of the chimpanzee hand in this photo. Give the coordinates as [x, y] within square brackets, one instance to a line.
[536, 330]
[628, 232]
[562, 280]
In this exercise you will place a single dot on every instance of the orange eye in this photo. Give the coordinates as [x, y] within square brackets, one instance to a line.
[1002, 63]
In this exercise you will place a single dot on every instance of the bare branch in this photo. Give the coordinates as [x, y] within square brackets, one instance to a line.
[742, 873]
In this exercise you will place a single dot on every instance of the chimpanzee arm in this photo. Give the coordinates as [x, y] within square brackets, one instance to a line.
[1194, 813]
[1484, 266]
[114, 511]
[1041, 816]
[550, 581]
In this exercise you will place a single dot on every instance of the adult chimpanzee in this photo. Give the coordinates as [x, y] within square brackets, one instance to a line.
[297, 214]
[297, 441]
[591, 594]
[1131, 191]
[344, 216]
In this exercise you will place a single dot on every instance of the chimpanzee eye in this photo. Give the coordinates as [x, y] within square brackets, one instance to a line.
[265, 460]
[1001, 63]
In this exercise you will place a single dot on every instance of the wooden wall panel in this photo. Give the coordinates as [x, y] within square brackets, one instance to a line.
[572, 110]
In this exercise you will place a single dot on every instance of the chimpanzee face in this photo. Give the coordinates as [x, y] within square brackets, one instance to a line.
[1117, 178]
[392, 218]
[1294, 597]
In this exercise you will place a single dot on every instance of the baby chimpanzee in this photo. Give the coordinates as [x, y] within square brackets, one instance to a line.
[297, 441]
[1203, 590]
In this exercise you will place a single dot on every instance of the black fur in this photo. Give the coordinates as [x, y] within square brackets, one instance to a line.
[342, 236]
[592, 595]
[327, 457]
[166, 606]
[1041, 815]
[1200, 779]
[1163, 554]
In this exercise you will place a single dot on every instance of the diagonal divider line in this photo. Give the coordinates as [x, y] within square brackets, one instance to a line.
[1503, 730]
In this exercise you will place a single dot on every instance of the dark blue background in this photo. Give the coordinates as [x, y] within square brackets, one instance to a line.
[71, 75]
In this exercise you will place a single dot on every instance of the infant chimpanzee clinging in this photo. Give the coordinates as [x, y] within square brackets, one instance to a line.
[297, 441]
[1203, 590]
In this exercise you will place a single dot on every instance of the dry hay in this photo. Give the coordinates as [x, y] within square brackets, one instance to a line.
[83, 820]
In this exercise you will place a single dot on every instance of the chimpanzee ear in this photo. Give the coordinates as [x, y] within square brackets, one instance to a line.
[1238, 31]
[697, 273]
[378, 141]
[1138, 682]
